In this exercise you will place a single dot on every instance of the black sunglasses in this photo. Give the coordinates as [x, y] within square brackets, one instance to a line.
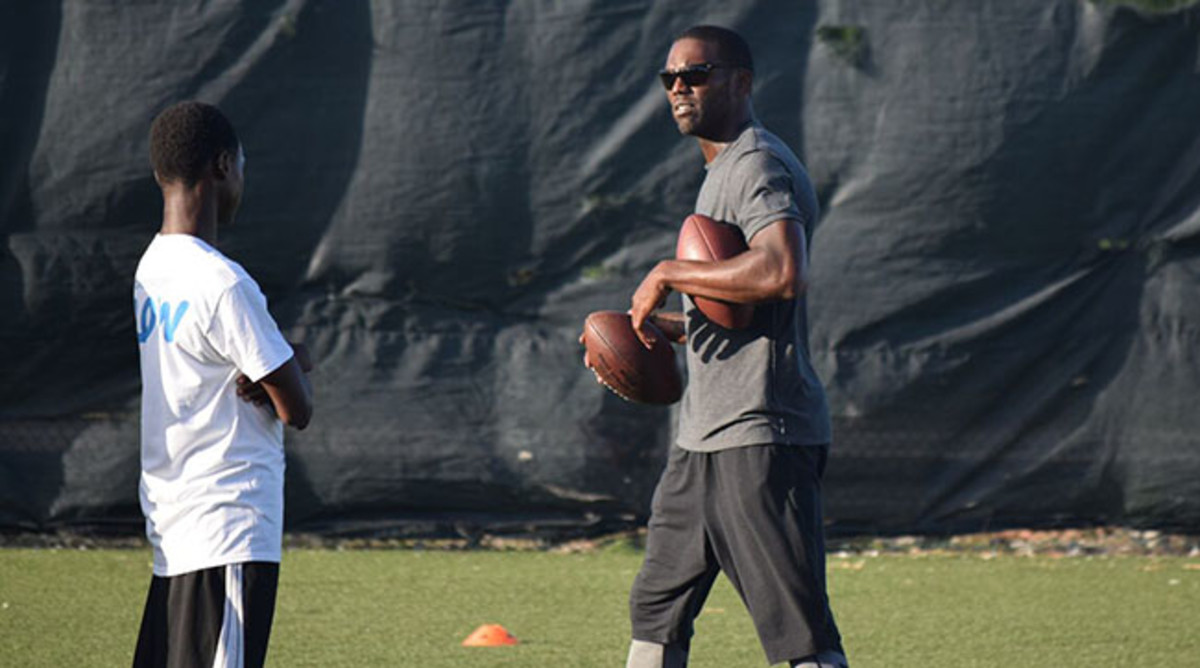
[692, 75]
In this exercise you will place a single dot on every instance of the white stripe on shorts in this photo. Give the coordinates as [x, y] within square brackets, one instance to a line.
[230, 650]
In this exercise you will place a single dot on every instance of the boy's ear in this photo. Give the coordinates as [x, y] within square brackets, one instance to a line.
[223, 165]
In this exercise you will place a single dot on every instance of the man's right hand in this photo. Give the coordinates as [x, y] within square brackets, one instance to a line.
[586, 362]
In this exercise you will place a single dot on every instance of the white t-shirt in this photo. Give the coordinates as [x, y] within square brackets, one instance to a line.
[212, 464]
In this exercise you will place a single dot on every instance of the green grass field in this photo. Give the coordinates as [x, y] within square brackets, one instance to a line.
[413, 608]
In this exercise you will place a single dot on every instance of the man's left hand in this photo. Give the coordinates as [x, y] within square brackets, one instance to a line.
[648, 297]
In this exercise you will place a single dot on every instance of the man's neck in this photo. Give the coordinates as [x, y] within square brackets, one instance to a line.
[711, 147]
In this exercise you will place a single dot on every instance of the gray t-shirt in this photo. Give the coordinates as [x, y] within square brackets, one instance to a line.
[753, 386]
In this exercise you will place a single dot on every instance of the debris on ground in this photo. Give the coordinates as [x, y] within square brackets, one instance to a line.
[1096, 541]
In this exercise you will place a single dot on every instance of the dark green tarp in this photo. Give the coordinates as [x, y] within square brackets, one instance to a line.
[1004, 277]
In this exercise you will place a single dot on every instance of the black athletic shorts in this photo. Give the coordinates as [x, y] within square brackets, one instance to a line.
[214, 618]
[754, 513]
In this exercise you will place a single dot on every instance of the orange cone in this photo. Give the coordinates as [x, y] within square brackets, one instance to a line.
[490, 635]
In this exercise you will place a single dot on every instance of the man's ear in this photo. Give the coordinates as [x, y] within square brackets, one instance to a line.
[744, 80]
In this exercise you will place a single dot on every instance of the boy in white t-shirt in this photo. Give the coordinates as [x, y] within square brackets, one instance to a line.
[218, 383]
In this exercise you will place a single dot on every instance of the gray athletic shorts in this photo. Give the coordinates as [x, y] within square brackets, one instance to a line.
[754, 513]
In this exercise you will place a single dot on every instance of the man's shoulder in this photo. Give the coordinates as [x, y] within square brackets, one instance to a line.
[760, 147]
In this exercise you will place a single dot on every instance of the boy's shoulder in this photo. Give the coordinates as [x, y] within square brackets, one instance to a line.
[182, 255]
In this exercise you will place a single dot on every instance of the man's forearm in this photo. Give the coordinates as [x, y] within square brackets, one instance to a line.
[672, 324]
[749, 278]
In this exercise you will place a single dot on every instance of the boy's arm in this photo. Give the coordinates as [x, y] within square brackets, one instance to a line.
[285, 389]
[290, 393]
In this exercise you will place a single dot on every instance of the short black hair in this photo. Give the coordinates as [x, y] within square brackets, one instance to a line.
[186, 138]
[731, 48]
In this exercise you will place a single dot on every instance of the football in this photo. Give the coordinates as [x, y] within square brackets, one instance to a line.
[703, 239]
[625, 366]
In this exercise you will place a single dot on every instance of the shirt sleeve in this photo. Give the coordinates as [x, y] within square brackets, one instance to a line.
[243, 331]
[766, 194]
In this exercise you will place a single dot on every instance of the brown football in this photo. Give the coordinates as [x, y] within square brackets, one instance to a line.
[703, 239]
[625, 366]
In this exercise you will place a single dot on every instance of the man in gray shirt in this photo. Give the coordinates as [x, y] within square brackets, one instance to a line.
[742, 489]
